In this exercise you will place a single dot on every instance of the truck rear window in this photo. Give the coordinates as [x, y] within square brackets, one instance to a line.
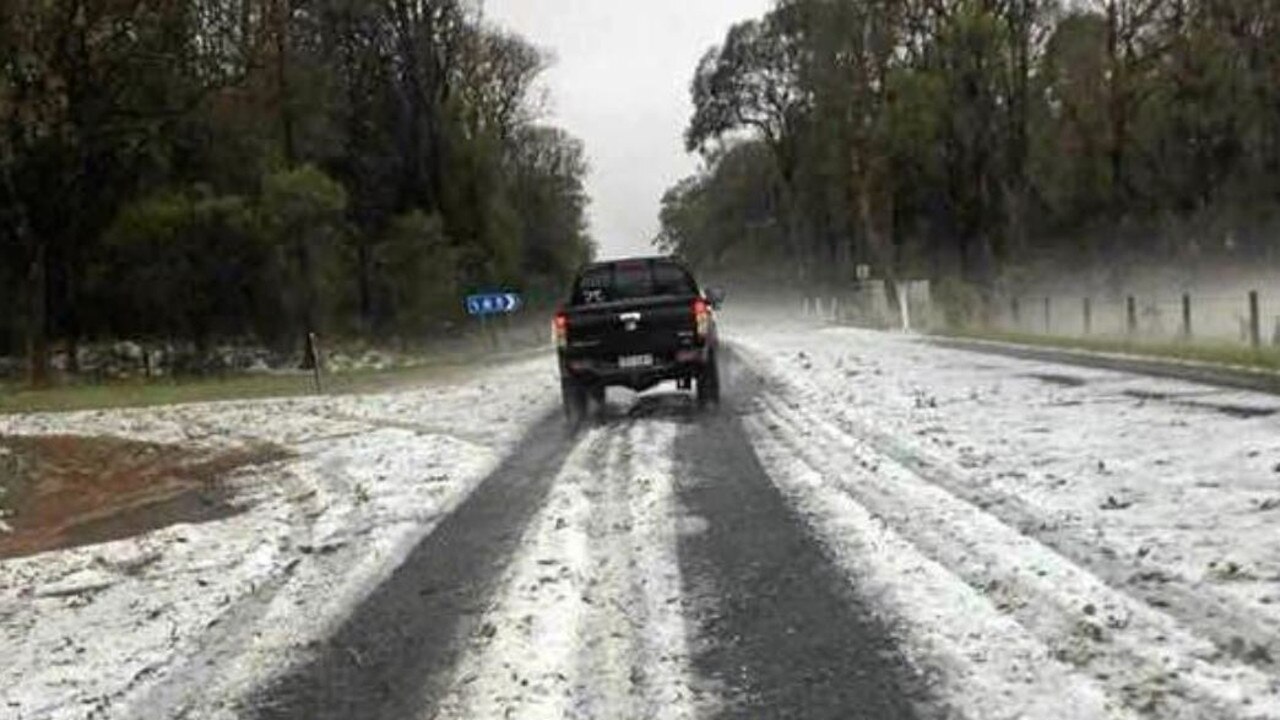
[630, 280]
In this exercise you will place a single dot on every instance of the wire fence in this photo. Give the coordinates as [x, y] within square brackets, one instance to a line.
[1247, 318]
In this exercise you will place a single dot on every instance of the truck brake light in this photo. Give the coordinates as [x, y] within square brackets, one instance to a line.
[560, 330]
[701, 318]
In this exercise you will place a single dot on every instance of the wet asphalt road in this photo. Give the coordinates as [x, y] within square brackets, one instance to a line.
[777, 625]
[776, 630]
[390, 658]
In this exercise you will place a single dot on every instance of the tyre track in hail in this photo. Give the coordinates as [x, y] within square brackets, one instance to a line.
[399, 644]
[519, 661]
[780, 630]
[587, 623]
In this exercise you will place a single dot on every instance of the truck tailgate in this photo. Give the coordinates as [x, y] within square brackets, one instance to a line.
[657, 325]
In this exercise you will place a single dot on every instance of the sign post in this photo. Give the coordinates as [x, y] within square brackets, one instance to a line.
[313, 355]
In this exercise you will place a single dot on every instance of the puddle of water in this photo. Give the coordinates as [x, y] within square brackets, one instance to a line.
[62, 491]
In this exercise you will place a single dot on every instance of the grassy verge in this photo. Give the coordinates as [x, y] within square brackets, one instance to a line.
[172, 391]
[1221, 354]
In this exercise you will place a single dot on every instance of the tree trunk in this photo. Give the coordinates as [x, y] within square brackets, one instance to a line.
[35, 321]
[73, 353]
[282, 82]
[37, 324]
[788, 207]
[1016, 190]
[309, 317]
[1116, 102]
[364, 286]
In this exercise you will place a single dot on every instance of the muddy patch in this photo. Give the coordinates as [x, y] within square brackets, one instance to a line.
[61, 491]
[1242, 412]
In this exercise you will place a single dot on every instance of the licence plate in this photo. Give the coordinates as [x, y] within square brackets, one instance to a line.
[627, 362]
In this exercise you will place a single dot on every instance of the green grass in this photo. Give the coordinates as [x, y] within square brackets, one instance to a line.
[1267, 358]
[147, 393]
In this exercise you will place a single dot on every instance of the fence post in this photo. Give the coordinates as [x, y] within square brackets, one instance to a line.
[313, 349]
[1255, 320]
[1015, 306]
[1186, 316]
[1048, 316]
[1131, 316]
[1088, 316]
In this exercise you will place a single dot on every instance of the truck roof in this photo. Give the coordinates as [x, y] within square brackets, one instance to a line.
[635, 259]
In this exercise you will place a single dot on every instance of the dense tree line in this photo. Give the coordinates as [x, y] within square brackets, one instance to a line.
[964, 139]
[213, 169]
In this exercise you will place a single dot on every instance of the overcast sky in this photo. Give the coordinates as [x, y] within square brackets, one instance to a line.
[621, 83]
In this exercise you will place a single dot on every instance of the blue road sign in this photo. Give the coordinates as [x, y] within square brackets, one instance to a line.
[493, 304]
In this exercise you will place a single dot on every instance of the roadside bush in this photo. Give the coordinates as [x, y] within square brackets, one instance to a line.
[418, 268]
[180, 263]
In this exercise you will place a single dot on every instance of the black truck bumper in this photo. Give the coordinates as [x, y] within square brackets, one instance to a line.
[595, 372]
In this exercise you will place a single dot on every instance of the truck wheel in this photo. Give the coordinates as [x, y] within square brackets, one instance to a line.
[709, 383]
[575, 401]
[597, 394]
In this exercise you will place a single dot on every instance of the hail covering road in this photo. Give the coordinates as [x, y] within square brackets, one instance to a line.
[869, 527]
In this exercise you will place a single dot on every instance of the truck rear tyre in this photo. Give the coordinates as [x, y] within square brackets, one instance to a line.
[575, 401]
[709, 383]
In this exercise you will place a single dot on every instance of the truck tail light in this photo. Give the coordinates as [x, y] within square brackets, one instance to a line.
[560, 330]
[701, 318]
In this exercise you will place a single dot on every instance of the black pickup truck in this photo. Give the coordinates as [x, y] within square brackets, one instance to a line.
[635, 323]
